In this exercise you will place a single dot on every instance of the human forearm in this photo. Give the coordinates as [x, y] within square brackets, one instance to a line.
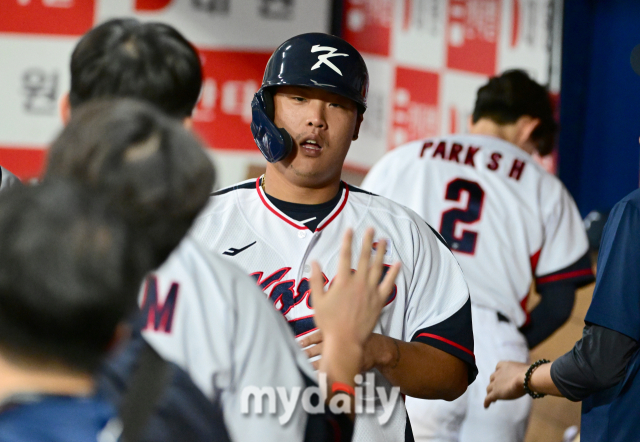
[418, 369]
[338, 368]
[551, 313]
[507, 382]
[541, 381]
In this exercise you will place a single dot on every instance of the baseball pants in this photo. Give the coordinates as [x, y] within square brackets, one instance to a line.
[466, 419]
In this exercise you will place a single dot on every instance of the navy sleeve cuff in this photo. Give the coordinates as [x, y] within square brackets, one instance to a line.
[454, 335]
[579, 273]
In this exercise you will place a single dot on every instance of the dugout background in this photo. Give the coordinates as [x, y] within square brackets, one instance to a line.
[426, 59]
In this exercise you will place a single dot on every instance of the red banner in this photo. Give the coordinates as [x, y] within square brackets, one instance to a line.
[223, 113]
[367, 25]
[415, 111]
[59, 17]
[473, 35]
[25, 163]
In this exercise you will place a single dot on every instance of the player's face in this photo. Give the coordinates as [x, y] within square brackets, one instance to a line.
[322, 125]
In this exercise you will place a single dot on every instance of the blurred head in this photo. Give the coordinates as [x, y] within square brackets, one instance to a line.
[515, 99]
[154, 171]
[70, 271]
[149, 61]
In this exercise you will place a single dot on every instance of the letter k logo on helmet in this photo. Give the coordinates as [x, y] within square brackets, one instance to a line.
[324, 58]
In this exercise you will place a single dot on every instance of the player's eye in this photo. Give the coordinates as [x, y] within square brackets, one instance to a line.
[336, 105]
[298, 99]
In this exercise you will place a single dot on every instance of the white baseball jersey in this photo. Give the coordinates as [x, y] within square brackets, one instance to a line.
[430, 302]
[208, 317]
[7, 179]
[504, 216]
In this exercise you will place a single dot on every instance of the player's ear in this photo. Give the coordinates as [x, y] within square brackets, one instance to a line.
[356, 132]
[525, 127]
[188, 123]
[64, 108]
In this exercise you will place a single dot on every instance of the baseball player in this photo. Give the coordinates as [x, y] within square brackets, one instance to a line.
[509, 223]
[202, 313]
[601, 370]
[305, 115]
[7, 179]
[69, 273]
[199, 310]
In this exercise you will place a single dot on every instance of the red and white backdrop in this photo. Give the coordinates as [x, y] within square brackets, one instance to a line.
[426, 59]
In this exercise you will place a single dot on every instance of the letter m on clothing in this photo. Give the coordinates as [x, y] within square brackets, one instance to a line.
[159, 316]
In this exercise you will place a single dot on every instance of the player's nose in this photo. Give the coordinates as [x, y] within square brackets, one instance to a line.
[316, 114]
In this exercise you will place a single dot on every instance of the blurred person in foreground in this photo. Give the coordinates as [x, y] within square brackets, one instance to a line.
[157, 176]
[602, 368]
[69, 273]
[206, 323]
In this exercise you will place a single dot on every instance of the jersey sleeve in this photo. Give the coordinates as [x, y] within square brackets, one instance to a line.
[439, 308]
[564, 252]
[616, 298]
[213, 322]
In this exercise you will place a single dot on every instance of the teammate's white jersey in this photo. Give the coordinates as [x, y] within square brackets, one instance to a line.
[208, 317]
[7, 179]
[505, 216]
[245, 228]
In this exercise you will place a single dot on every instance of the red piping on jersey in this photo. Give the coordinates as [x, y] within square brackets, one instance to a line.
[534, 261]
[337, 434]
[303, 227]
[561, 276]
[523, 304]
[344, 202]
[445, 340]
[274, 211]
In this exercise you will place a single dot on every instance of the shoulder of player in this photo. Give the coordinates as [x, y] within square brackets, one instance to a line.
[374, 202]
[627, 208]
[223, 199]
[632, 199]
[400, 214]
[193, 261]
[249, 184]
[408, 150]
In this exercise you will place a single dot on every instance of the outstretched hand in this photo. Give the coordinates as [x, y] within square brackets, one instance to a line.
[350, 308]
[506, 382]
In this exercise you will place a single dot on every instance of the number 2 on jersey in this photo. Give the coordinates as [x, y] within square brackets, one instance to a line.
[466, 243]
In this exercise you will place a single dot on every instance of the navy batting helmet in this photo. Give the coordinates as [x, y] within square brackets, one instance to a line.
[314, 60]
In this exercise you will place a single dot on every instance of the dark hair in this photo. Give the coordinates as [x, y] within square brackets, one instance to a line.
[70, 271]
[149, 61]
[156, 173]
[506, 98]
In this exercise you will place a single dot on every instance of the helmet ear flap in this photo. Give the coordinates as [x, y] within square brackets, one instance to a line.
[275, 143]
[269, 107]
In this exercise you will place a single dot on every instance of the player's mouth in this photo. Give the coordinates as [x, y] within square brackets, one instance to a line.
[311, 147]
